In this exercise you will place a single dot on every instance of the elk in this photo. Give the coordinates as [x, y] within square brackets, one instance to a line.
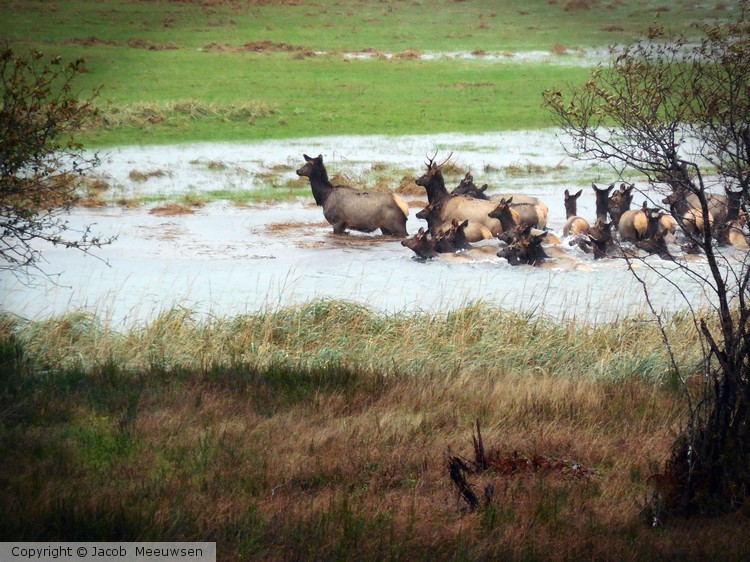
[598, 240]
[619, 202]
[474, 231]
[574, 225]
[602, 201]
[736, 231]
[345, 207]
[641, 224]
[445, 242]
[656, 244]
[522, 246]
[531, 208]
[512, 216]
[686, 208]
[421, 244]
[689, 218]
[446, 208]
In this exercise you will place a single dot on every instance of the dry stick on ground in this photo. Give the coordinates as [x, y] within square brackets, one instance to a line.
[479, 458]
[458, 469]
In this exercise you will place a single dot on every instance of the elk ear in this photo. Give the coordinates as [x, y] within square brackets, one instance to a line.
[464, 224]
[566, 193]
[320, 158]
[509, 201]
[577, 195]
[307, 158]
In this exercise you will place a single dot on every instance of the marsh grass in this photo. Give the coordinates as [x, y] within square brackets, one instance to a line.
[322, 430]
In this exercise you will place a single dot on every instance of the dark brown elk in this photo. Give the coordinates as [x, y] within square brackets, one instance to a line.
[421, 244]
[599, 240]
[531, 208]
[523, 245]
[454, 239]
[602, 201]
[347, 208]
[474, 232]
[446, 208]
[656, 244]
[449, 241]
[641, 224]
[574, 225]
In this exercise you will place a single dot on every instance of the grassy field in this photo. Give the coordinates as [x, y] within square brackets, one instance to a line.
[324, 431]
[238, 70]
[289, 434]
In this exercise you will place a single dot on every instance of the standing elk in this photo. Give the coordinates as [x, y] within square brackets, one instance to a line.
[574, 224]
[345, 207]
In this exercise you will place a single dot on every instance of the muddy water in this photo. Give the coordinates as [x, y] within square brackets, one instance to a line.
[225, 259]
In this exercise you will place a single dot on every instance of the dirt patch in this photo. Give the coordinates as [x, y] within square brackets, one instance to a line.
[139, 176]
[260, 46]
[171, 209]
[294, 226]
[138, 43]
[91, 41]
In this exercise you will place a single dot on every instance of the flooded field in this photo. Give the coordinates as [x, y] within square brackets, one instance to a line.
[226, 258]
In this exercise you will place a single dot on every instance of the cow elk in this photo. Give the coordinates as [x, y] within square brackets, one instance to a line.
[345, 207]
[574, 225]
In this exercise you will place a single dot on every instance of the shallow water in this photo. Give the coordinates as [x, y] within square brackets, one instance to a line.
[226, 259]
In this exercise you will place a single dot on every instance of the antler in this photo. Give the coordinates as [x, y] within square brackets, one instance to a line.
[444, 162]
[431, 161]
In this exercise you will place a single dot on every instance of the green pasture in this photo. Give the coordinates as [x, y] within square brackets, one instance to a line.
[249, 71]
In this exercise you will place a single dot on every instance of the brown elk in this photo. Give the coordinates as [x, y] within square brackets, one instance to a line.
[619, 202]
[446, 208]
[574, 224]
[511, 216]
[347, 208]
[474, 231]
[689, 218]
[685, 206]
[532, 209]
[736, 231]
[656, 244]
[641, 224]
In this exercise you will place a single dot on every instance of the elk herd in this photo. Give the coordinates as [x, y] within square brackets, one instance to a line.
[458, 219]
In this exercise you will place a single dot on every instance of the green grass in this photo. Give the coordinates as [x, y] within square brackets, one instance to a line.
[297, 93]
